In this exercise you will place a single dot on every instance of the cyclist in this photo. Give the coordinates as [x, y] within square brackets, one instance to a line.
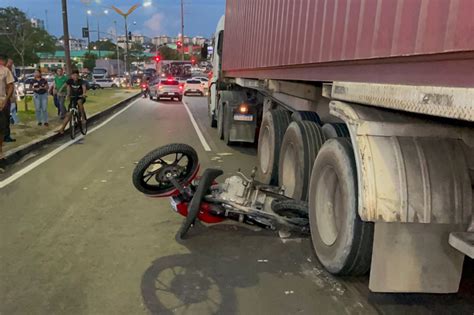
[76, 92]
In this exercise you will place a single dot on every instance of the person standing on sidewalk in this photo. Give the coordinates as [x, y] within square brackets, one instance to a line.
[6, 92]
[40, 98]
[11, 106]
[60, 90]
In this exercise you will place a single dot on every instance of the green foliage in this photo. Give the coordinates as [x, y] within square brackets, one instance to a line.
[167, 53]
[89, 61]
[20, 40]
[136, 52]
[105, 45]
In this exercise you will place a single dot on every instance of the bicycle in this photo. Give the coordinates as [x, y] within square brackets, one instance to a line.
[76, 120]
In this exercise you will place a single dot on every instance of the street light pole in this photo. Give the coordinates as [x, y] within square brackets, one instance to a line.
[67, 51]
[98, 34]
[125, 15]
[116, 46]
[88, 34]
[182, 30]
[126, 50]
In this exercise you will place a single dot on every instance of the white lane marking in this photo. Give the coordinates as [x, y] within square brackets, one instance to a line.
[48, 156]
[198, 131]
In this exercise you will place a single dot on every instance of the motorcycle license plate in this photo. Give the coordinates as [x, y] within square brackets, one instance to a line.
[240, 117]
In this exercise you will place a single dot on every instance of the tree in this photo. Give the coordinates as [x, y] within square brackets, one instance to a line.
[20, 40]
[104, 45]
[167, 53]
[136, 52]
[89, 61]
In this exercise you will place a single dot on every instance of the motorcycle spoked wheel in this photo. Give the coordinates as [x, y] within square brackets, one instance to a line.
[152, 174]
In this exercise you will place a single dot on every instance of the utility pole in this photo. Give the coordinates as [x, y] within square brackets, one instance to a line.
[88, 34]
[67, 52]
[182, 30]
[126, 52]
[116, 46]
[98, 35]
[46, 18]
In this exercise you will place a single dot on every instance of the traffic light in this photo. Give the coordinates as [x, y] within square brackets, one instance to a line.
[179, 44]
[129, 35]
[193, 60]
[85, 32]
[157, 58]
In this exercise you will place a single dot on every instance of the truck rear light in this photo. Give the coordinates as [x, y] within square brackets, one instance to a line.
[243, 108]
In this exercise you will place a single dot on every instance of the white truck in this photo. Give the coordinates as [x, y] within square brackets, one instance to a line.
[367, 113]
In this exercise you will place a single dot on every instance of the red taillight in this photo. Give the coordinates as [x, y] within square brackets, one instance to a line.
[170, 79]
[180, 87]
[144, 86]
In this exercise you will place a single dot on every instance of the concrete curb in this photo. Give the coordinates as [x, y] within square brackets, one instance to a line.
[16, 154]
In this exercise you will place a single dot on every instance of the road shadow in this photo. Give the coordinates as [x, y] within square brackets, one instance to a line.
[224, 259]
[204, 281]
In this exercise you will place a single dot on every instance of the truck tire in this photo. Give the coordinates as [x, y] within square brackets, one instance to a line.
[304, 115]
[300, 146]
[220, 120]
[212, 116]
[272, 130]
[341, 240]
[335, 130]
[226, 127]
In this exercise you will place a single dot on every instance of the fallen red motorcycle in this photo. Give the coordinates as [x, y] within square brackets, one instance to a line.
[172, 171]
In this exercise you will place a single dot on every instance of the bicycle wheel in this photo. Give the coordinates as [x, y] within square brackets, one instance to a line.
[83, 124]
[72, 125]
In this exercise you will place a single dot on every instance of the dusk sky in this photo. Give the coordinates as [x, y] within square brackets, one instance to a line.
[162, 17]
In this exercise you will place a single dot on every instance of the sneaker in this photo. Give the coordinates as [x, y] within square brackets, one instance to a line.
[46, 124]
[39, 124]
[9, 139]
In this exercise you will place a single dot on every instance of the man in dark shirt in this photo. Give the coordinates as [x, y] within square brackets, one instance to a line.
[76, 92]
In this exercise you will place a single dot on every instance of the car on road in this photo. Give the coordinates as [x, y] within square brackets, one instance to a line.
[106, 83]
[25, 87]
[169, 88]
[91, 85]
[204, 83]
[193, 86]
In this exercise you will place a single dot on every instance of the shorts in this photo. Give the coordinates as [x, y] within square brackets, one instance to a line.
[3, 124]
[75, 100]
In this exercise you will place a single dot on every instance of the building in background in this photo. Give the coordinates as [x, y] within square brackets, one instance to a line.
[38, 23]
[141, 39]
[199, 40]
[161, 40]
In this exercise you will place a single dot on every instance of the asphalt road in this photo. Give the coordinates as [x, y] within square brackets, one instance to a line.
[77, 238]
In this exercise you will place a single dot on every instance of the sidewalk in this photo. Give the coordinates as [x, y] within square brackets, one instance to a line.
[28, 130]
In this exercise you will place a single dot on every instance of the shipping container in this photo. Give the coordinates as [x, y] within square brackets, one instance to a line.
[422, 42]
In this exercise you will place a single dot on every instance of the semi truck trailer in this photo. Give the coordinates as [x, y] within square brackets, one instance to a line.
[364, 109]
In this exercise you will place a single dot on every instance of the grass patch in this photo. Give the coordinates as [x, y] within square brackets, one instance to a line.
[96, 101]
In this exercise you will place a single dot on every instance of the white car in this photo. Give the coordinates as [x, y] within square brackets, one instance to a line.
[204, 84]
[193, 86]
[106, 83]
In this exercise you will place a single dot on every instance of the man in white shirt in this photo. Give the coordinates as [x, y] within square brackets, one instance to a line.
[6, 92]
